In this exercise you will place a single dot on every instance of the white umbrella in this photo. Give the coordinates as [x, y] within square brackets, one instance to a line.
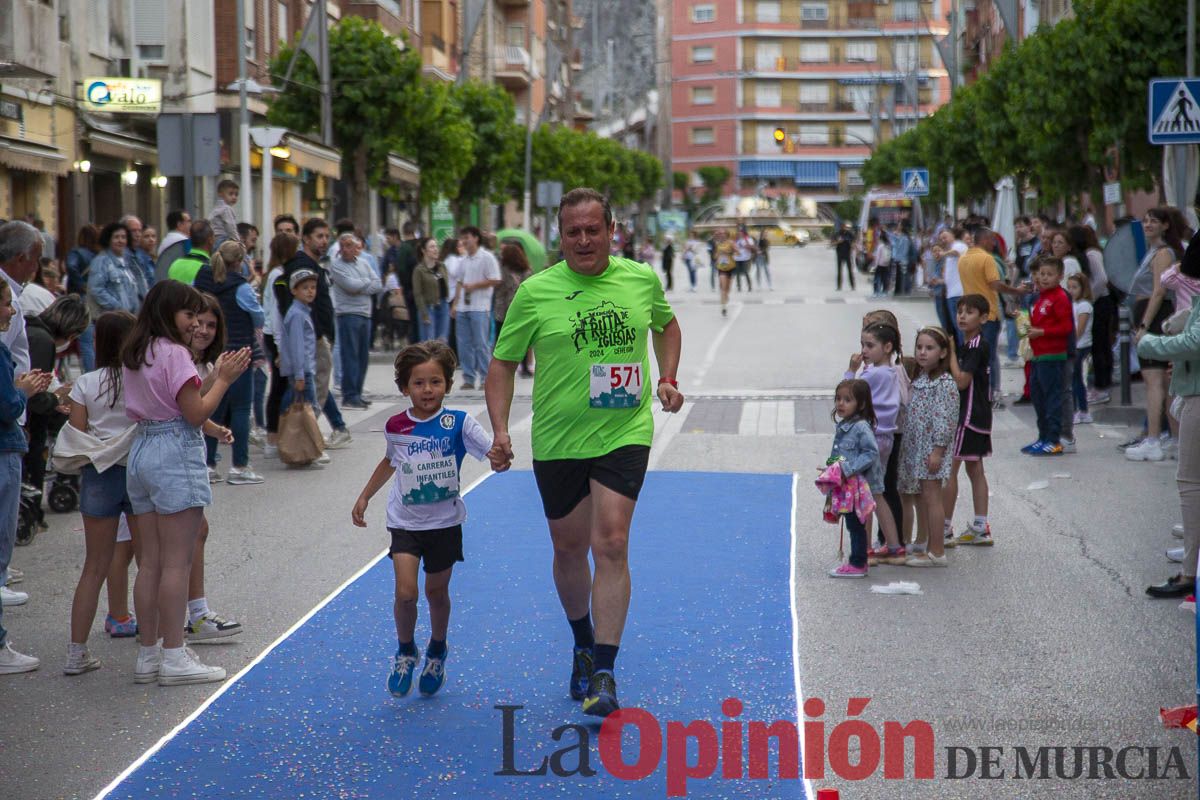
[1006, 210]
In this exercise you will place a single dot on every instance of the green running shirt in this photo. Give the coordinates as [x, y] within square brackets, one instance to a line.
[593, 389]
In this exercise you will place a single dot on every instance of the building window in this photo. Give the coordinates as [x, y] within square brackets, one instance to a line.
[814, 12]
[702, 96]
[704, 12]
[814, 52]
[703, 136]
[859, 97]
[150, 52]
[905, 10]
[765, 138]
[814, 94]
[813, 134]
[860, 51]
[853, 176]
[859, 135]
[702, 54]
[514, 36]
[769, 56]
[767, 11]
[281, 14]
[906, 55]
[768, 94]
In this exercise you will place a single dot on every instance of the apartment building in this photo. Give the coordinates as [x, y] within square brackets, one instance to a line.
[838, 76]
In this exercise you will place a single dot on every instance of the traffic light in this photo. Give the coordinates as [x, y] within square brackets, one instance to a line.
[780, 136]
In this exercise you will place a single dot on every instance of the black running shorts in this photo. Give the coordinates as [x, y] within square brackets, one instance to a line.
[563, 483]
[438, 548]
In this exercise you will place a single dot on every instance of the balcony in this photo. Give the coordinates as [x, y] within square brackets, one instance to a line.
[513, 3]
[29, 41]
[515, 67]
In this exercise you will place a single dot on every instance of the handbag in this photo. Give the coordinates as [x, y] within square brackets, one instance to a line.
[398, 306]
[300, 440]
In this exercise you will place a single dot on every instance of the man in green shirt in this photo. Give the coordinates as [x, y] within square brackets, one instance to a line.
[184, 268]
[589, 320]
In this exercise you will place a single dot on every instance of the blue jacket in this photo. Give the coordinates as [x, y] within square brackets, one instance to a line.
[298, 349]
[854, 441]
[114, 284]
[78, 261]
[144, 262]
[12, 406]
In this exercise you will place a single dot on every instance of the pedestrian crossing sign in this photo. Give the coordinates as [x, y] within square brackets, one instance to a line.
[915, 181]
[1173, 113]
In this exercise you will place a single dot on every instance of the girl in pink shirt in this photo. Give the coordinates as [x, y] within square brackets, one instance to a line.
[166, 477]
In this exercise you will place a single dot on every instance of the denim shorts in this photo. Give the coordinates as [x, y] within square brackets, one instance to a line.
[103, 494]
[166, 472]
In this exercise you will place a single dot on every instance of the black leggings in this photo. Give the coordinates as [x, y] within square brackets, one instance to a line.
[277, 387]
[1103, 325]
[891, 494]
[849, 270]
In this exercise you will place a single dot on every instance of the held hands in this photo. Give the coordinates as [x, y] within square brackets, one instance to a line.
[358, 514]
[231, 365]
[501, 454]
[670, 397]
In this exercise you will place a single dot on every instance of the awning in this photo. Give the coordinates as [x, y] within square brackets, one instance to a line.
[126, 148]
[401, 170]
[33, 157]
[315, 157]
[816, 173]
[777, 168]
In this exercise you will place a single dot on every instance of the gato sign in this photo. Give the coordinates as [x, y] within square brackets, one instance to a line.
[123, 95]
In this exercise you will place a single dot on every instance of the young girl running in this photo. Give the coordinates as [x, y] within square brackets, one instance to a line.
[98, 407]
[425, 449]
[166, 477]
[928, 434]
[879, 343]
[1080, 289]
[854, 444]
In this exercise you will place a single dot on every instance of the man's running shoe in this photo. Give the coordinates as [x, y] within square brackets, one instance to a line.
[338, 440]
[434, 673]
[1048, 449]
[399, 681]
[601, 698]
[1030, 448]
[975, 537]
[120, 629]
[1068, 446]
[581, 672]
[211, 626]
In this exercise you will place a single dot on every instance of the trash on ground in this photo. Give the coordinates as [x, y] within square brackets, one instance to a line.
[897, 587]
[1036, 485]
[1061, 475]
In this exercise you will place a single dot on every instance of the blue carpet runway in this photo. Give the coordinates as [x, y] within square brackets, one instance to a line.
[710, 619]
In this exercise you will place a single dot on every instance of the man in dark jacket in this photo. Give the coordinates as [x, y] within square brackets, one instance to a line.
[314, 237]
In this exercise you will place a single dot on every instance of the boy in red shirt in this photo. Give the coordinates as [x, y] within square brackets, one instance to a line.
[1051, 325]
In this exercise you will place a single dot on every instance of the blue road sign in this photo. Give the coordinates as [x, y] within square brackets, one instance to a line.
[1173, 115]
[915, 181]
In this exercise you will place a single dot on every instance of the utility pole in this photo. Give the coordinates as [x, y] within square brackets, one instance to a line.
[246, 196]
[953, 84]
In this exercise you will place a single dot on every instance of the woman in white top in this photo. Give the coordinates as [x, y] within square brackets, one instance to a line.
[1060, 246]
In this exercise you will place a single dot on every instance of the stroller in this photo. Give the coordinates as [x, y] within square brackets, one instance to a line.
[28, 513]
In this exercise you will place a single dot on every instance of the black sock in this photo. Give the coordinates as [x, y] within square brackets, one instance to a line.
[582, 629]
[436, 648]
[605, 656]
[407, 649]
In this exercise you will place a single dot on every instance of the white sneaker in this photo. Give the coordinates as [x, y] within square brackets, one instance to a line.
[1083, 418]
[258, 437]
[12, 662]
[322, 459]
[1170, 448]
[180, 668]
[1175, 555]
[240, 475]
[80, 661]
[270, 451]
[11, 597]
[211, 626]
[1150, 449]
[15, 575]
[1177, 530]
[149, 662]
[338, 440]
[214, 476]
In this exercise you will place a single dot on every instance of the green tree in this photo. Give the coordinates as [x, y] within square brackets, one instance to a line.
[439, 138]
[497, 160]
[714, 179]
[376, 87]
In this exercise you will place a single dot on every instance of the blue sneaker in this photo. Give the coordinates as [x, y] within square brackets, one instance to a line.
[601, 698]
[120, 629]
[1030, 448]
[581, 672]
[1048, 449]
[434, 673]
[400, 678]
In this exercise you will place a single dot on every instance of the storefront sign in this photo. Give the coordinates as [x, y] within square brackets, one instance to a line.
[123, 95]
[10, 109]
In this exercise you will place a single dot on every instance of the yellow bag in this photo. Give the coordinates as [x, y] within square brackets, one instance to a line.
[300, 440]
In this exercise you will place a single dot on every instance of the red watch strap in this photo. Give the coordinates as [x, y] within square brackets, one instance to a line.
[671, 381]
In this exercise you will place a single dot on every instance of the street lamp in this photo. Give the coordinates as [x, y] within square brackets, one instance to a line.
[269, 139]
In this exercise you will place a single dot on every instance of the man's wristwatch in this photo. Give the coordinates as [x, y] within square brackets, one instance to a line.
[674, 383]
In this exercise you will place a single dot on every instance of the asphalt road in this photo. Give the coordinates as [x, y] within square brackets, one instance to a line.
[1045, 640]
